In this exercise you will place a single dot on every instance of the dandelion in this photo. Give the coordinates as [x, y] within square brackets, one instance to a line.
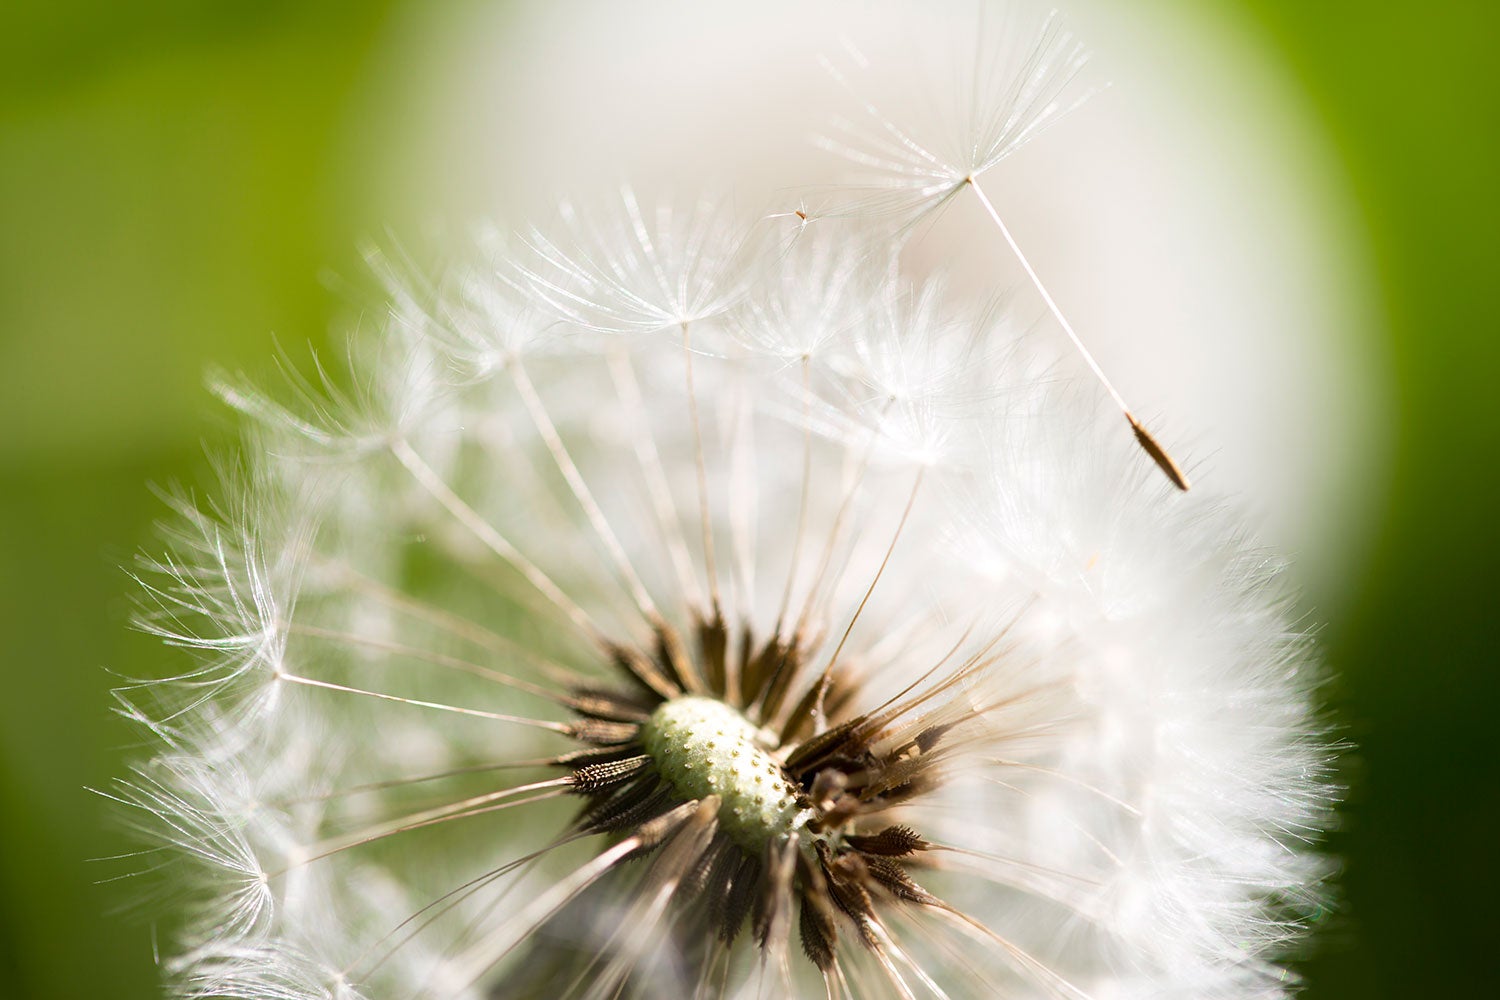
[673, 604]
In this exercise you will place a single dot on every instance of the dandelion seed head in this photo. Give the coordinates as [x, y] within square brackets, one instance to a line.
[658, 604]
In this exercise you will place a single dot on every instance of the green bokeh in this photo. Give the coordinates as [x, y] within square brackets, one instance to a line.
[1411, 95]
[174, 179]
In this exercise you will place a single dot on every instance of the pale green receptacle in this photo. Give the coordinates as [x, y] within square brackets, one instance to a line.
[703, 747]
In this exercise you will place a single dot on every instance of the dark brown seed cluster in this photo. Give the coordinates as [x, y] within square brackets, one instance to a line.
[834, 872]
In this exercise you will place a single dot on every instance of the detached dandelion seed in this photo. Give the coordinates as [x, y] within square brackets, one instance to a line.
[1016, 95]
[687, 605]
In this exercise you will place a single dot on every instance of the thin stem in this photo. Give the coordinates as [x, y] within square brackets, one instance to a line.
[644, 441]
[855, 477]
[581, 491]
[791, 573]
[458, 625]
[379, 786]
[492, 539]
[743, 499]
[556, 727]
[702, 470]
[1049, 980]
[1149, 444]
[433, 658]
[473, 806]
[833, 660]
[501, 940]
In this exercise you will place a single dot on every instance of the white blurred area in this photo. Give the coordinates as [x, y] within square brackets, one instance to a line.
[1189, 218]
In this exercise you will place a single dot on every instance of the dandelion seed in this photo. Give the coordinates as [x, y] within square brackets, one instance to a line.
[679, 611]
[1013, 97]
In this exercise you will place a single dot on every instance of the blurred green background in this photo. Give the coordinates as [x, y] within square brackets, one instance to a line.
[177, 177]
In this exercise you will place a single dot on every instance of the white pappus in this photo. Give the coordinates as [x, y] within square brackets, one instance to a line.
[673, 604]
